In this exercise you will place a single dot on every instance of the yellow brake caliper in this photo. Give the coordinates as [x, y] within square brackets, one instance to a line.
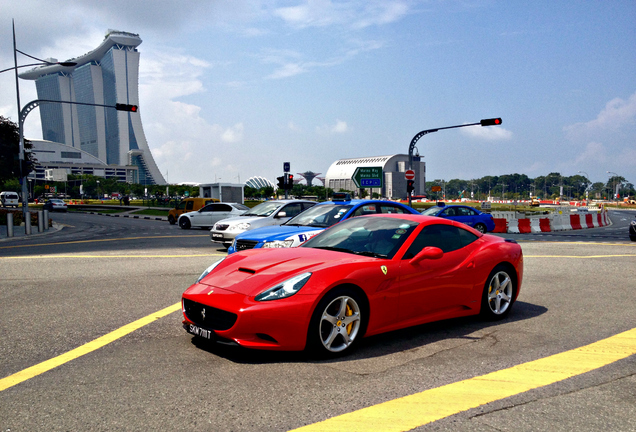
[349, 313]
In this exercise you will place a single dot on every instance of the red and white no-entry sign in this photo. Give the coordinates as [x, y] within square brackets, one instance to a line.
[409, 175]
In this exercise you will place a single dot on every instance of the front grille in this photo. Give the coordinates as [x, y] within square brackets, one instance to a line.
[208, 316]
[221, 227]
[245, 244]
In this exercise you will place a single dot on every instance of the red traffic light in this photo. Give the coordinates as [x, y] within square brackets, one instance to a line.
[491, 122]
[125, 107]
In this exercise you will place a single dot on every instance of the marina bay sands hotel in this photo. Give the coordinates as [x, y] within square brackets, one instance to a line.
[93, 139]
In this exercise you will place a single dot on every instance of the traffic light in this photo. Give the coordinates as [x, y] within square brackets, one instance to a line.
[491, 122]
[26, 167]
[410, 186]
[125, 107]
[281, 182]
[289, 181]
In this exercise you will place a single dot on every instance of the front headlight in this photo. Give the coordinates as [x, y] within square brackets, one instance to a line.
[279, 244]
[240, 227]
[209, 269]
[633, 222]
[284, 289]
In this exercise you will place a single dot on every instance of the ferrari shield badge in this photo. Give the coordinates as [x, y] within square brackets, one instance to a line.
[384, 270]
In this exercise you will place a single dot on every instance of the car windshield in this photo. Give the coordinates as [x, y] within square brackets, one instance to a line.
[321, 216]
[432, 211]
[240, 207]
[264, 209]
[369, 236]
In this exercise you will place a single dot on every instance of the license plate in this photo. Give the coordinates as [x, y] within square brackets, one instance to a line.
[217, 236]
[198, 331]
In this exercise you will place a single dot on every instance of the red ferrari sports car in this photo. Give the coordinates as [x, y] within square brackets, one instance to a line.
[363, 276]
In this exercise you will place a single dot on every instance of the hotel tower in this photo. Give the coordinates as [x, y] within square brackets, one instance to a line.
[105, 76]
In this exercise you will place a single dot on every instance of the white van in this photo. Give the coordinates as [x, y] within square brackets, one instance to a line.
[9, 199]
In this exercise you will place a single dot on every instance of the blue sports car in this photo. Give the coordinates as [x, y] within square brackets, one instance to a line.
[482, 222]
[313, 221]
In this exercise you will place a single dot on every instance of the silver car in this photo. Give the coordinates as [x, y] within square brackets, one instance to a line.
[268, 213]
[207, 216]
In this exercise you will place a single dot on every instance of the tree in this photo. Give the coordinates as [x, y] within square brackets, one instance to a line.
[10, 149]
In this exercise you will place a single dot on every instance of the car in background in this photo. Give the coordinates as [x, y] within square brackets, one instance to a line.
[8, 198]
[364, 276]
[482, 222]
[55, 204]
[632, 230]
[188, 205]
[207, 216]
[268, 213]
[313, 221]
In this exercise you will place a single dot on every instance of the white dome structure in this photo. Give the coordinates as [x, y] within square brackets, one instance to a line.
[258, 182]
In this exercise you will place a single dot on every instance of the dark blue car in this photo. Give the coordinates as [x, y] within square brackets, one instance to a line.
[313, 221]
[482, 222]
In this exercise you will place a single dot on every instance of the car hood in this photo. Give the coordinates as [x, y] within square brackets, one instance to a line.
[253, 271]
[242, 219]
[279, 232]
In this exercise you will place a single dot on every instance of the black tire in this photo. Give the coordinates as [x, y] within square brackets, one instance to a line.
[171, 220]
[481, 228]
[337, 324]
[499, 293]
[184, 223]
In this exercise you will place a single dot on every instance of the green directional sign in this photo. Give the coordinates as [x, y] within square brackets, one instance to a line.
[368, 177]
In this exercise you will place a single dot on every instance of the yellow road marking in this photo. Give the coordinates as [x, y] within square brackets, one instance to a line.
[91, 346]
[99, 240]
[412, 411]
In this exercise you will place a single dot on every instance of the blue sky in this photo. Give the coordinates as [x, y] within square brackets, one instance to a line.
[230, 90]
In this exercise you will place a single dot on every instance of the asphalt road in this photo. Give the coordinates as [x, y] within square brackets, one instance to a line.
[65, 289]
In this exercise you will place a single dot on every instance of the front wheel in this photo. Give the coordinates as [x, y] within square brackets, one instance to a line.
[337, 323]
[184, 223]
[171, 220]
[481, 228]
[498, 294]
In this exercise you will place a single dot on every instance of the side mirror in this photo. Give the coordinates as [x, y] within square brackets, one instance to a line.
[281, 214]
[429, 252]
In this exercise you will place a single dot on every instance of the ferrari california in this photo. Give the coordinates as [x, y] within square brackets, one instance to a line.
[361, 277]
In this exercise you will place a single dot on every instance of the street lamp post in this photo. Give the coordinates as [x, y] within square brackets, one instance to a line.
[587, 177]
[21, 153]
[614, 191]
[483, 122]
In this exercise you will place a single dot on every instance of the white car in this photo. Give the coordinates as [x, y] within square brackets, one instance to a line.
[207, 216]
[268, 213]
[55, 204]
[9, 199]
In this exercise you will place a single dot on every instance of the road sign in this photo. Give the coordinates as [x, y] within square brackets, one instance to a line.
[436, 189]
[409, 175]
[368, 177]
[286, 167]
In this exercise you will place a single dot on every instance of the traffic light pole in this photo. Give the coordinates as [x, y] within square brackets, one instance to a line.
[416, 138]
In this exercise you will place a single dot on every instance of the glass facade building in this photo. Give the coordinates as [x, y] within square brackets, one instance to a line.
[105, 76]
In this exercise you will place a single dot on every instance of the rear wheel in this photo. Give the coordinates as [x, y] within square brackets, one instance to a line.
[481, 228]
[184, 223]
[499, 293]
[338, 322]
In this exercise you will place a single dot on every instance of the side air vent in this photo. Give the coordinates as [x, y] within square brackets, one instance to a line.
[246, 270]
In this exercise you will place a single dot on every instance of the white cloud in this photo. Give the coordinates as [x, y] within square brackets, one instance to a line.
[355, 15]
[490, 133]
[594, 153]
[339, 128]
[616, 114]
